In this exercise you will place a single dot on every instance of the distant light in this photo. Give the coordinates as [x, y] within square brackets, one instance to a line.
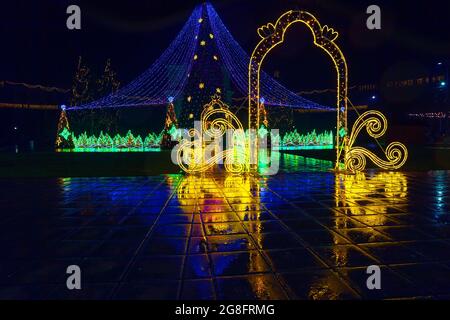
[170, 99]
[443, 83]
[15, 128]
[262, 100]
[439, 63]
[374, 97]
[63, 107]
[191, 116]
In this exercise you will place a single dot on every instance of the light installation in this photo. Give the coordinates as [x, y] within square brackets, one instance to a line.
[324, 37]
[190, 73]
[169, 76]
[295, 141]
[202, 149]
[63, 136]
[170, 127]
[187, 60]
[128, 141]
[376, 125]
[271, 36]
[104, 142]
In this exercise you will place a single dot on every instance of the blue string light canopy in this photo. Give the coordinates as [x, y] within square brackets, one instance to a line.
[170, 74]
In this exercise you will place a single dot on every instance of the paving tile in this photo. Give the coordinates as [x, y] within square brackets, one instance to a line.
[238, 263]
[250, 287]
[147, 269]
[392, 285]
[344, 256]
[198, 290]
[150, 290]
[90, 291]
[197, 266]
[305, 233]
[292, 259]
[316, 284]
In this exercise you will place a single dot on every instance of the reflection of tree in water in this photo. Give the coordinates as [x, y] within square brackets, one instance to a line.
[216, 198]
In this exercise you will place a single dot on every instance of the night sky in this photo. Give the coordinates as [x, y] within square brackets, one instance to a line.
[37, 47]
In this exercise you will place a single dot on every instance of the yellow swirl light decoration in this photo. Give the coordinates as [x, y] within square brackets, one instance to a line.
[324, 37]
[216, 119]
[376, 125]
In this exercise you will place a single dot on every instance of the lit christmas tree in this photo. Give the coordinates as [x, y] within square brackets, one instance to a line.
[64, 138]
[207, 77]
[170, 127]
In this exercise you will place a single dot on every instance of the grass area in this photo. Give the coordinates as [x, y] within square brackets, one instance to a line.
[103, 164]
[420, 158]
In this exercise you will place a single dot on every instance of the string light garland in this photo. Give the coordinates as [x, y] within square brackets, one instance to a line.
[34, 86]
[430, 115]
[166, 77]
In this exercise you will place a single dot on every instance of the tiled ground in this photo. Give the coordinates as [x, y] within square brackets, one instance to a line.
[304, 235]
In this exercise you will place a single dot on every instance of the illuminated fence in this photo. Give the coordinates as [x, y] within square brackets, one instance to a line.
[117, 142]
[312, 140]
[152, 142]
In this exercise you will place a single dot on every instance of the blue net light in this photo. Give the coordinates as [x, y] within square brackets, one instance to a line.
[170, 74]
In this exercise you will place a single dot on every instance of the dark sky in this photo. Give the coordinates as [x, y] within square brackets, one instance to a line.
[36, 47]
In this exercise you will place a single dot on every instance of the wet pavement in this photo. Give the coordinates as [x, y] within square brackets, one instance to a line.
[305, 233]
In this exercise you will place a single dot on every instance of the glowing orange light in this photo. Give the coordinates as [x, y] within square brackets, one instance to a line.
[215, 57]
[202, 43]
[195, 57]
[189, 99]
[201, 85]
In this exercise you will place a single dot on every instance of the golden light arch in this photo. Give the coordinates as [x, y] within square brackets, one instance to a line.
[324, 37]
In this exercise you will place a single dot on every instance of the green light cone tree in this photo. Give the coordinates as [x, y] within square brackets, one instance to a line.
[64, 138]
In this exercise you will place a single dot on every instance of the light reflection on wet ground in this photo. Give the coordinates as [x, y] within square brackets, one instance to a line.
[305, 233]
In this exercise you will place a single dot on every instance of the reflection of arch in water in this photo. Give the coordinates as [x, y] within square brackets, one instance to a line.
[350, 189]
